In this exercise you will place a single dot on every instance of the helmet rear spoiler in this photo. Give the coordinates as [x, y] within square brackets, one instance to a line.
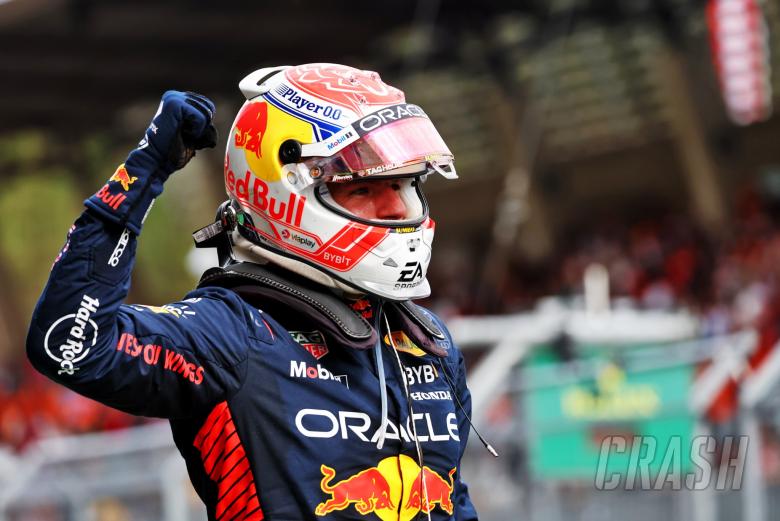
[254, 84]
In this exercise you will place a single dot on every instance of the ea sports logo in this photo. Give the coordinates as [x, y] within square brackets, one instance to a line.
[411, 276]
[411, 271]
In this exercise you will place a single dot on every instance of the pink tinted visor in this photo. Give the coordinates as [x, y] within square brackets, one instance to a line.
[385, 149]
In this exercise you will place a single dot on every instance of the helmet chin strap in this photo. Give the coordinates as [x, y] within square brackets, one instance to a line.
[245, 250]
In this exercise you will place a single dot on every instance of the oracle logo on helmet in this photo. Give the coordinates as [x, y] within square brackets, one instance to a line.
[388, 115]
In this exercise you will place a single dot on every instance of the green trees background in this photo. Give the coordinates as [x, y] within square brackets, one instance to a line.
[44, 180]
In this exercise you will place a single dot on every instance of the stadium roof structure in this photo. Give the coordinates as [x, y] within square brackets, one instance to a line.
[541, 86]
[587, 68]
[72, 62]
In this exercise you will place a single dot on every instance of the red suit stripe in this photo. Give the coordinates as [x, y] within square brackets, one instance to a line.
[225, 462]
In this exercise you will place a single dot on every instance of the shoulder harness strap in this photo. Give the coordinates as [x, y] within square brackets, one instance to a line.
[285, 293]
[264, 288]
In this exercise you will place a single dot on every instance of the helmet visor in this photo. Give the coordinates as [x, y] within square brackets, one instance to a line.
[380, 143]
[394, 202]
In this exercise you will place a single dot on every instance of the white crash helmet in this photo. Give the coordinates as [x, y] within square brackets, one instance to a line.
[303, 127]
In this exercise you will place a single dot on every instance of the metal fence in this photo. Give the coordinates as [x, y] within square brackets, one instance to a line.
[132, 474]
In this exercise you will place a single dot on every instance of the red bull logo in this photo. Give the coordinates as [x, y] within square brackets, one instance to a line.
[367, 490]
[430, 489]
[258, 131]
[250, 128]
[114, 201]
[395, 490]
[123, 178]
[255, 192]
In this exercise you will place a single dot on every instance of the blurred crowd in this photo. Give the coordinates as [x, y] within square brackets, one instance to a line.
[32, 407]
[729, 279]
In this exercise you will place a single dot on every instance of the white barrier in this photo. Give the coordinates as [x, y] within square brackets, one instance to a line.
[77, 475]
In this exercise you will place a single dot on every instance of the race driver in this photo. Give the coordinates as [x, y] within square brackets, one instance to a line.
[300, 380]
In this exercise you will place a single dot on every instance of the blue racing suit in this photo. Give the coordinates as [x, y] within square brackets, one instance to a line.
[275, 419]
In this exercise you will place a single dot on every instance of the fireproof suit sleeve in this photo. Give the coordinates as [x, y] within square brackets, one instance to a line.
[166, 361]
[181, 126]
[169, 361]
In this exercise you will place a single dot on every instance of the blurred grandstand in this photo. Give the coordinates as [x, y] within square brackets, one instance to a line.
[616, 226]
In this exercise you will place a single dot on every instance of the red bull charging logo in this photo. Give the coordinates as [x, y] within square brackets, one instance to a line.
[430, 489]
[250, 128]
[395, 490]
[115, 200]
[123, 178]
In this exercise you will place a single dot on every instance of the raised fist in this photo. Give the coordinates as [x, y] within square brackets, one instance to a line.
[181, 126]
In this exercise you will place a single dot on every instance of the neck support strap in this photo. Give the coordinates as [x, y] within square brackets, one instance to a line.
[279, 291]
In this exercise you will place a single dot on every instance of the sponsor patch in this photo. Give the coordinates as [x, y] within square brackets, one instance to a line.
[249, 130]
[387, 115]
[431, 395]
[254, 192]
[82, 336]
[396, 488]
[123, 178]
[411, 271]
[411, 276]
[298, 239]
[311, 341]
[113, 201]
[152, 354]
[177, 310]
[296, 99]
[119, 249]
[357, 425]
[420, 374]
[404, 344]
[315, 372]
